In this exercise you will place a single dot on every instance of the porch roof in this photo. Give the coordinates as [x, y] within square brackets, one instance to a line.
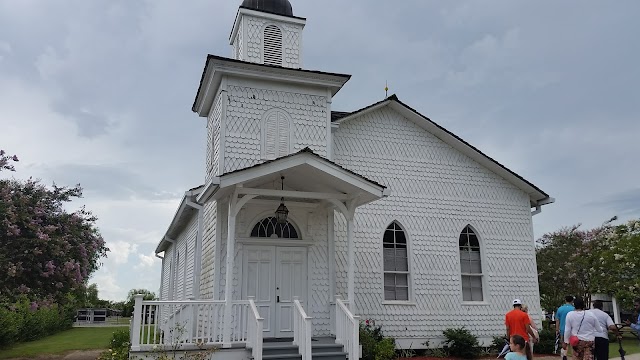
[308, 176]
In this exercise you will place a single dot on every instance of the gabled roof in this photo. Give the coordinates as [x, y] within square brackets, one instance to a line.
[536, 195]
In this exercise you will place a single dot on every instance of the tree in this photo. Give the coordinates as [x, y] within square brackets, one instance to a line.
[45, 251]
[602, 260]
[5, 161]
[616, 270]
[127, 309]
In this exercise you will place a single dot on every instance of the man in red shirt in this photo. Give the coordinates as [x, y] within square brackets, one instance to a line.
[518, 323]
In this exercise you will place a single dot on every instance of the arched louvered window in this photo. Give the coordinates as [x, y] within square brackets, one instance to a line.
[272, 45]
[470, 265]
[276, 134]
[396, 263]
[269, 228]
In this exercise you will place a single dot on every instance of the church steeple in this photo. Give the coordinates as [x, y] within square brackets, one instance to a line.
[266, 32]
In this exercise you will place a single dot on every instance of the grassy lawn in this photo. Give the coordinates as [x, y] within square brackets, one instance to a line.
[629, 343]
[74, 339]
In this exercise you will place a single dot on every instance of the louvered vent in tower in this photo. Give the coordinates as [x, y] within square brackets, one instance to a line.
[272, 45]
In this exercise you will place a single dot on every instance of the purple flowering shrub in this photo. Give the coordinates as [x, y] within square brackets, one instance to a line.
[45, 251]
[5, 161]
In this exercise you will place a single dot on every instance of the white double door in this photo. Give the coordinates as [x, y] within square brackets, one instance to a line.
[274, 275]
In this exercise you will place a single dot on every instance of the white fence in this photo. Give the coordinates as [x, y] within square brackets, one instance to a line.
[347, 329]
[179, 324]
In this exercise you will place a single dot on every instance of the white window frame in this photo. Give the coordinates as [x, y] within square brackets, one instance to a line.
[409, 271]
[481, 275]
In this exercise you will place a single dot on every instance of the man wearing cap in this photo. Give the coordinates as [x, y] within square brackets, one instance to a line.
[518, 322]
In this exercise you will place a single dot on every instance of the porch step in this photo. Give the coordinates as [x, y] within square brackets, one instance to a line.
[288, 351]
[329, 356]
[326, 348]
[282, 349]
[282, 357]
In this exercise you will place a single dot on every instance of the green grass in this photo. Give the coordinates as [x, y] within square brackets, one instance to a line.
[90, 338]
[630, 344]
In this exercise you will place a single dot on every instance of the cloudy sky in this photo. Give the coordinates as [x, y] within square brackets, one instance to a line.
[99, 92]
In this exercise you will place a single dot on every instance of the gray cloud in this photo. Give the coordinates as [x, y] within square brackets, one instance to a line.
[547, 88]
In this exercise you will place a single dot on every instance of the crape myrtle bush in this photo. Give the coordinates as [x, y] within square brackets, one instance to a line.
[45, 252]
[46, 256]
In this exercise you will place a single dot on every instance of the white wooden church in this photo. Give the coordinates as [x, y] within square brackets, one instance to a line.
[311, 221]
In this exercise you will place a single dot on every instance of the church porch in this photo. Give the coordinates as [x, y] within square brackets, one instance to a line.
[269, 289]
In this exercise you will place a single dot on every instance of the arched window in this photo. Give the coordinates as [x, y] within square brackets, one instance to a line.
[272, 46]
[396, 263]
[275, 134]
[269, 228]
[470, 265]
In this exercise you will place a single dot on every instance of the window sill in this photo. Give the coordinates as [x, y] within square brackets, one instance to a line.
[401, 303]
[475, 303]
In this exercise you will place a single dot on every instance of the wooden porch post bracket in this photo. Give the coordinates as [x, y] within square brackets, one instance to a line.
[231, 241]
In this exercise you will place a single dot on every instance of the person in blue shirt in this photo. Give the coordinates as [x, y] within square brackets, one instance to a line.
[561, 315]
[636, 326]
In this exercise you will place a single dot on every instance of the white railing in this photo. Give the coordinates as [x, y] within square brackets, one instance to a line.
[254, 330]
[301, 330]
[347, 329]
[181, 324]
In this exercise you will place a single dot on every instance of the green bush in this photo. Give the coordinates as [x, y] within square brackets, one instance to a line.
[461, 343]
[385, 349]
[374, 345]
[547, 342]
[27, 321]
[118, 346]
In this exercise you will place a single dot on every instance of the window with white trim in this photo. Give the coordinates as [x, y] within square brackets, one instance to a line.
[276, 134]
[470, 265]
[272, 45]
[396, 263]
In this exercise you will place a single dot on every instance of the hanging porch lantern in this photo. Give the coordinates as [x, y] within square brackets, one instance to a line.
[282, 212]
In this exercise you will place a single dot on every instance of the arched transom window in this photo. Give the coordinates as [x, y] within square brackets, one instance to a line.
[470, 265]
[269, 228]
[272, 46]
[396, 263]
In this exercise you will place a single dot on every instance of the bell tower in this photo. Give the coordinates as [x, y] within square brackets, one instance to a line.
[266, 32]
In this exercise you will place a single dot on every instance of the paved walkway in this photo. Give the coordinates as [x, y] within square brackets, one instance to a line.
[75, 355]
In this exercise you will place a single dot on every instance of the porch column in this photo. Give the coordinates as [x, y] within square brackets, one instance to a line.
[351, 273]
[228, 286]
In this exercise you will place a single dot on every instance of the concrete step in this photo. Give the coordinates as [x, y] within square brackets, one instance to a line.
[329, 356]
[324, 348]
[279, 349]
[282, 357]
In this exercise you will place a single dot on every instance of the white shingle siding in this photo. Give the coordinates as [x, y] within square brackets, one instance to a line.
[165, 287]
[208, 249]
[213, 139]
[251, 36]
[436, 191]
[245, 113]
[192, 236]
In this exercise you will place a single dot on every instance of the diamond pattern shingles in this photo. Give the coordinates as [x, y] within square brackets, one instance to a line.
[291, 34]
[245, 109]
[213, 140]
[436, 191]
